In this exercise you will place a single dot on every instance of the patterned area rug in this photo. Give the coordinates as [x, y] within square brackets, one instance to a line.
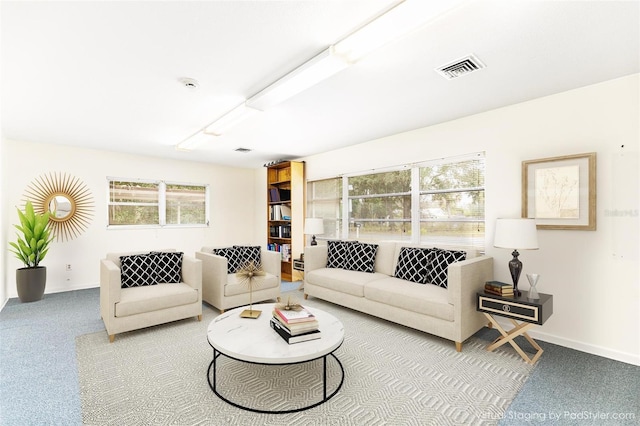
[393, 375]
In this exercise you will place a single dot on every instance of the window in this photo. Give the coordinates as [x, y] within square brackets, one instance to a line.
[380, 205]
[157, 203]
[432, 202]
[324, 198]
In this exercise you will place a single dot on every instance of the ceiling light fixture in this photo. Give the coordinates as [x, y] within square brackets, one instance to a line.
[320, 67]
[194, 141]
[393, 24]
[233, 117]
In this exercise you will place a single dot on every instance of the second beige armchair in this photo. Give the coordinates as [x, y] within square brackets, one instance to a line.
[223, 290]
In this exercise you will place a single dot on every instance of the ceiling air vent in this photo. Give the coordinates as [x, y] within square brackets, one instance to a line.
[460, 67]
[242, 150]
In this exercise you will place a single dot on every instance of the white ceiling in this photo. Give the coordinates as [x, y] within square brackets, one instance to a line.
[105, 74]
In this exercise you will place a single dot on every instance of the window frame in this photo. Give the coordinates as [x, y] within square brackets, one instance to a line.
[162, 204]
[415, 193]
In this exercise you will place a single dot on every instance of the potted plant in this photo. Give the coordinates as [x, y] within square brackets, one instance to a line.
[31, 248]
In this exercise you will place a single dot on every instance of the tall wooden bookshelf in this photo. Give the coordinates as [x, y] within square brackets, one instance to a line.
[285, 214]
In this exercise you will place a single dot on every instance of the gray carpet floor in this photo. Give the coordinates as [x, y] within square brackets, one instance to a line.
[39, 374]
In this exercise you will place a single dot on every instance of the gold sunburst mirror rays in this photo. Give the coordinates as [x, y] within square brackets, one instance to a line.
[67, 198]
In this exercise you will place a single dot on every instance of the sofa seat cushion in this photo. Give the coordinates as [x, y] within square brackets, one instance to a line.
[139, 300]
[235, 286]
[342, 280]
[421, 298]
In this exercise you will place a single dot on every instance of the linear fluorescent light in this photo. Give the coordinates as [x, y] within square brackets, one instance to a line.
[395, 23]
[230, 119]
[194, 141]
[306, 75]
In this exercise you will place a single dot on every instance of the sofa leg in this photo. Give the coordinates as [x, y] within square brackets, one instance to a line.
[306, 296]
[112, 337]
[278, 299]
[200, 317]
[458, 346]
[222, 311]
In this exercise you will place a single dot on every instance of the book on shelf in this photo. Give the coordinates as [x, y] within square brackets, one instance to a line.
[290, 339]
[274, 195]
[285, 212]
[297, 327]
[284, 194]
[292, 317]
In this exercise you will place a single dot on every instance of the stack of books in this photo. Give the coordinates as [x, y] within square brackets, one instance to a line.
[295, 326]
[498, 288]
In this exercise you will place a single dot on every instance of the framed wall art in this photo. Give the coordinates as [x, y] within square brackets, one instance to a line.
[560, 192]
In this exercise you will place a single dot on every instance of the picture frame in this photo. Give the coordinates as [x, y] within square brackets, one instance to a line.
[560, 192]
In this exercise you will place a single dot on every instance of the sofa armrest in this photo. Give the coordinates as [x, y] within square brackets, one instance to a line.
[271, 262]
[214, 277]
[465, 279]
[110, 285]
[192, 272]
[315, 257]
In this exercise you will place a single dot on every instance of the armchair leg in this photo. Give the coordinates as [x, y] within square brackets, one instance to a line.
[112, 337]
[306, 296]
[458, 346]
[199, 317]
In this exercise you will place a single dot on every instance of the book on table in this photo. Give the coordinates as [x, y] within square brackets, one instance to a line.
[294, 316]
[289, 338]
[299, 327]
[498, 288]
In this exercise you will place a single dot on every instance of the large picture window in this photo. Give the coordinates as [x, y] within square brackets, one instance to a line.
[144, 203]
[431, 202]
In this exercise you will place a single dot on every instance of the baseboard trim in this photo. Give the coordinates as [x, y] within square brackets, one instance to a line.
[625, 357]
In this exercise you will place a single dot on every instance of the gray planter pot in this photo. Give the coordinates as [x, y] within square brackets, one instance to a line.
[30, 283]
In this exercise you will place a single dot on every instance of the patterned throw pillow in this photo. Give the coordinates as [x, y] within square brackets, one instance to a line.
[248, 253]
[137, 270]
[413, 264]
[362, 257]
[439, 261]
[233, 258]
[338, 253]
[168, 266]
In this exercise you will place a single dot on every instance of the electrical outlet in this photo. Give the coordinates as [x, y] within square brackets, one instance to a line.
[68, 267]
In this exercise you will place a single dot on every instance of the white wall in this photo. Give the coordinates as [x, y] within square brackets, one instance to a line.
[593, 276]
[231, 219]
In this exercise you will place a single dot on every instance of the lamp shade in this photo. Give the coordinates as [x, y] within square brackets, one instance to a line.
[313, 226]
[519, 234]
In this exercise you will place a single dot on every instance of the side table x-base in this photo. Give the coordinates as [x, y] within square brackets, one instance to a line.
[528, 312]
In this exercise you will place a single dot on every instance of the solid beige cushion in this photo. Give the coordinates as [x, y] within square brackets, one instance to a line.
[350, 282]
[425, 299]
[149, 298]
[235, 286]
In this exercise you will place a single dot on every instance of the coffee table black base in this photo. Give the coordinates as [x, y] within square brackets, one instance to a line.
[211, 378]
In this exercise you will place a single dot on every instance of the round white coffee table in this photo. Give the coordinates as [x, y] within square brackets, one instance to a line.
[254, 341]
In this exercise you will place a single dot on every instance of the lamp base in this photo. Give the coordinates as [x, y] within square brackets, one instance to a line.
[515, 268]
[250, 313]
[313, 241]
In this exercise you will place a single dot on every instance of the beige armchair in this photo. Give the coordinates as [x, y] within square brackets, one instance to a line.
[224, 291]
[132, 308]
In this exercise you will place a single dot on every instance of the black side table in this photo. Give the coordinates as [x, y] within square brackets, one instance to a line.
[528, 312]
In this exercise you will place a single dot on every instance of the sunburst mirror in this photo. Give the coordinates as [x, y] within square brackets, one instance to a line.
[67, 199]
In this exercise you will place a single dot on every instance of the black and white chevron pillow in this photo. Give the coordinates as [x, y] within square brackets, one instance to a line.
[439, 261]
[249, 254]
[337, 253]
[168, 266]
[137, 270]
[413, 264]
[362, 257]
[233, 258]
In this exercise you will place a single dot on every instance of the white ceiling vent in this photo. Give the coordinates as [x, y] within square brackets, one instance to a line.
[242, 150]
[460, 67]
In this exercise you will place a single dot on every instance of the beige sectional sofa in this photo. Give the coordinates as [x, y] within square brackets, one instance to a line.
[446, 312]
[131, 308]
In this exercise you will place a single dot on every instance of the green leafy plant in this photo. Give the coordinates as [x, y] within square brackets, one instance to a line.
[33, 245]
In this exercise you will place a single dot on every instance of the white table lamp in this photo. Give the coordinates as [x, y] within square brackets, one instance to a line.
[313, 226]
[516, 234]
